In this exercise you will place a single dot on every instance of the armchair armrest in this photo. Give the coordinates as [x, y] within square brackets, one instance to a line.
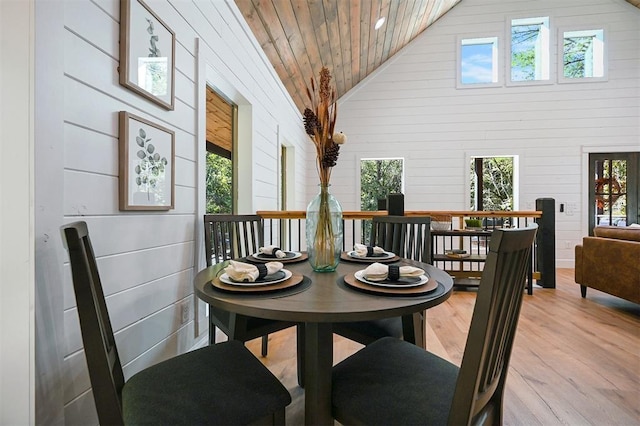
[578, 264]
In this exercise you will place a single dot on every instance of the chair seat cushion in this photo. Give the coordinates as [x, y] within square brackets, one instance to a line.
[202, 387]
[393, 382]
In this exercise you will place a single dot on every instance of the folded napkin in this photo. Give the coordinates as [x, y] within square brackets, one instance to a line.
[272, 251]
[245, 272]
[380, 272]
[364, 251]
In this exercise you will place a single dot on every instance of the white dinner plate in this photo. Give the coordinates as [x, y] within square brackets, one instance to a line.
[281, 275]
[359, 275]
[290, 256]
[386, 255]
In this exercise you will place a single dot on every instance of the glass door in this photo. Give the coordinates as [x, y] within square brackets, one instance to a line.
[614, 189]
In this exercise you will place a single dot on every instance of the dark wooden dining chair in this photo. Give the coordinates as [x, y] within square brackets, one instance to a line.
[393, 382]
[408, 237]
[218, 384]
[229, 236]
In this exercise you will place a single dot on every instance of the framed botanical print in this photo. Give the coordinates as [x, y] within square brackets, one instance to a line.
[147, 164]
[147, 53]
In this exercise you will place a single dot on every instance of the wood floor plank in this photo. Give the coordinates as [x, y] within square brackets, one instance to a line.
[575, 361]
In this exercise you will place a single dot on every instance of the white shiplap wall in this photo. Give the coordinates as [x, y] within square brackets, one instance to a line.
[146, 259]
[411, 108]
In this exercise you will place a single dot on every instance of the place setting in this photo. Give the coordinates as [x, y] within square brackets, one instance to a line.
[272, 253]
[392, 280]
[247, 278]
[368, 254]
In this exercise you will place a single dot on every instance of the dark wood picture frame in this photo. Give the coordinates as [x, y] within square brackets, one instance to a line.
[147, 53]
[146, 163]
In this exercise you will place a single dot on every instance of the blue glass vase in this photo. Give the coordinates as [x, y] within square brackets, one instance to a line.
[324, 231]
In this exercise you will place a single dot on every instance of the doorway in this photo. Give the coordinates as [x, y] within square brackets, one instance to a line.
[614, 189]
[220, 187]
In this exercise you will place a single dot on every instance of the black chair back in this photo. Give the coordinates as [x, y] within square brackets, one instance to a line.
[199, 387]
[406, 236]
[229, 236]
[393, 382]
[482, 376]
[105, 370]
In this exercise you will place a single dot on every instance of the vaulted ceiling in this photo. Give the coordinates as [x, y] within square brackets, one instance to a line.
[300, 36]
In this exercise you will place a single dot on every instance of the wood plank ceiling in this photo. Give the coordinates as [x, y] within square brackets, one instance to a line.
[300, 36]
[219, 123]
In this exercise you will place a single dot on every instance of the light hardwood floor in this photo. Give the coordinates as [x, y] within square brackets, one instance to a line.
[575, 361]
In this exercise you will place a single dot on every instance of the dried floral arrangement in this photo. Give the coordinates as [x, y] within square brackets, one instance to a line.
[319, 123]
[323, 222]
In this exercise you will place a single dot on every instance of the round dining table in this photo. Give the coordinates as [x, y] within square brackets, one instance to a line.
[321, 299]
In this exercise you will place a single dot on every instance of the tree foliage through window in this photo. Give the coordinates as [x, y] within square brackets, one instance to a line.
[497, 183]
[378, 179]
[219, 184]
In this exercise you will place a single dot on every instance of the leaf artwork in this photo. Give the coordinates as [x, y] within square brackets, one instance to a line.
[154, 52]
[151, 166]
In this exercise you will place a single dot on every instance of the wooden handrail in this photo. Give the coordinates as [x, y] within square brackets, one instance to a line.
[301, 214]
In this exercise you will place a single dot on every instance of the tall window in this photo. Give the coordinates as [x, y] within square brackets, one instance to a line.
[478, 60]
[530, 49]
[492, 183]
[583, 54]
[379, 177]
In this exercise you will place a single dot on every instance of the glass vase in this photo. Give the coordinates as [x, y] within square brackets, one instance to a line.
[324, 231]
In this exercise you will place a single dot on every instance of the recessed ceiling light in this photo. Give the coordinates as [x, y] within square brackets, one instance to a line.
[379, 23]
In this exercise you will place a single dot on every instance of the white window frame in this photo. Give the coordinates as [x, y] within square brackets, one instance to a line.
[597, 31]
[496, 68]
[518, 167]
[402, 178]
[542, 55]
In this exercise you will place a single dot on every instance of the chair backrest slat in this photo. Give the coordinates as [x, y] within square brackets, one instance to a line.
[229, 236]
[493, 327]
[406, 236]
[105, 370]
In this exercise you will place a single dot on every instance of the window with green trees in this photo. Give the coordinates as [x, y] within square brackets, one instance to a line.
[492, 183]
[379, 177]
[583, 54]
[530, 49]
[219, 178]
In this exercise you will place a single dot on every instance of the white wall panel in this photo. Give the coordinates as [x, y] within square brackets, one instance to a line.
[83, 17]
[82, 143]
[162, 268]
[185, 172]
[412, 108]
[146, 259]
[76, 376]
[185, 89]
[81, 411]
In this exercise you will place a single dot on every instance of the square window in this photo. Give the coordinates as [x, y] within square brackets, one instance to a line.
[583, 55]
[478, 61]
[530, 49]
